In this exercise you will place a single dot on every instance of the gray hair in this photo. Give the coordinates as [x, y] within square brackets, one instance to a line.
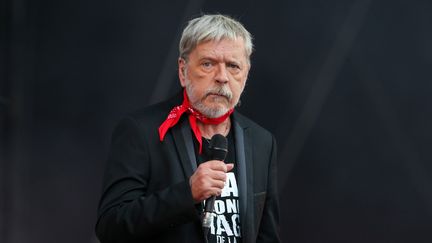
[213, 27]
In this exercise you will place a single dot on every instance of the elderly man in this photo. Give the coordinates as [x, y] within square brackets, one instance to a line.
[160, 171]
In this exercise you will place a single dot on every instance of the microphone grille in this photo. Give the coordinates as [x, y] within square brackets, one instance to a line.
[219, 146]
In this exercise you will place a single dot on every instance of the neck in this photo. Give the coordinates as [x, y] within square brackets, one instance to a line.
[208, 130]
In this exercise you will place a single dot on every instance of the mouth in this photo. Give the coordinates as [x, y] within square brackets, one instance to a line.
[216, 94]
[218, 97]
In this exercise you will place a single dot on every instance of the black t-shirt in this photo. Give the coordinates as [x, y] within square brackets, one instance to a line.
[225, 225]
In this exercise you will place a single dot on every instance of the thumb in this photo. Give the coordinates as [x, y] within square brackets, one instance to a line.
[229, 167]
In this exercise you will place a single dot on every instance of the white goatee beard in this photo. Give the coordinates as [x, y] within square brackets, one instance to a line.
[197, 103]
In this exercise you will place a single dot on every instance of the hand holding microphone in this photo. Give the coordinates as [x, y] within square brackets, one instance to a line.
[209, 179]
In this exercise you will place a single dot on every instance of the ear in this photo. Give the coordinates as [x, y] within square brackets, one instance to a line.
[247, 73]
[182, 71]
[248, 67]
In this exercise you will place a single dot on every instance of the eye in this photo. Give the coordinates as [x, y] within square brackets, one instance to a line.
[233, 65]
[207, 64]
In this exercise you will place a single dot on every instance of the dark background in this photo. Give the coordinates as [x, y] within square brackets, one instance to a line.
[344, 85]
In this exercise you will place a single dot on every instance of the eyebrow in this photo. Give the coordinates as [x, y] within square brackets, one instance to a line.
[215, 59]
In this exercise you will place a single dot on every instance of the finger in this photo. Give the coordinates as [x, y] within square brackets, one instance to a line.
[215, 191]
[204, 183]
[229, 167]
[218, 192]
[218, 184]
[211, 184]
[218, 175]
[212, 164]
[207, 168]
[216, 165]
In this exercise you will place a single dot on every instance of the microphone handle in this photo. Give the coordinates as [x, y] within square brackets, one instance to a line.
[209, 208]
[209, 203]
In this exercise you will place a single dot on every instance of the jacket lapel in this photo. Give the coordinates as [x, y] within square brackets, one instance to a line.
[185, 148]
[245, 178]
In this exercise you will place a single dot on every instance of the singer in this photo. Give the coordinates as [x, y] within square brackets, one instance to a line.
[165, 181]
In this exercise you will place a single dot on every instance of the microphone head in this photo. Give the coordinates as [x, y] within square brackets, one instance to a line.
[219, 147]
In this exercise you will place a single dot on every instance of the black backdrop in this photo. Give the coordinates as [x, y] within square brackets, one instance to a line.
[345, 85]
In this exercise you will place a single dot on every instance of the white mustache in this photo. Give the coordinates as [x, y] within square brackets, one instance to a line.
[221, 90]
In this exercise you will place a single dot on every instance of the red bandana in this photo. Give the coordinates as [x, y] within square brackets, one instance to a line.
[177, 112]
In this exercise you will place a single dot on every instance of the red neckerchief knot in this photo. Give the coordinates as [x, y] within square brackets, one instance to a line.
[176, 113]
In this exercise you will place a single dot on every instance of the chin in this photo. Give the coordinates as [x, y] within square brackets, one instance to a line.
[213, 111]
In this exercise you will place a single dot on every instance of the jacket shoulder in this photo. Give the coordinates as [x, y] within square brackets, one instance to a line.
[256, 129]
[145, 122]
[155, 113]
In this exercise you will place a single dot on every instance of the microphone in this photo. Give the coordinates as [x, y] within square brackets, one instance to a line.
[219, 149]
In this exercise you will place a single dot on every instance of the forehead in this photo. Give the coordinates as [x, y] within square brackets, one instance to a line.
[224, 48]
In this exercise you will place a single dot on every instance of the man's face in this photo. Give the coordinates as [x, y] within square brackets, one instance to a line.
[215, 75]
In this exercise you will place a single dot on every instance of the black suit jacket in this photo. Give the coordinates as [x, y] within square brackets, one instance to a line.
[147, 196]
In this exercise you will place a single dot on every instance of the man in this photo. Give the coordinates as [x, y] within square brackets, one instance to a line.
[160, 170]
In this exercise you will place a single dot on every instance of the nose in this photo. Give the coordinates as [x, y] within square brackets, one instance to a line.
[222, 74]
